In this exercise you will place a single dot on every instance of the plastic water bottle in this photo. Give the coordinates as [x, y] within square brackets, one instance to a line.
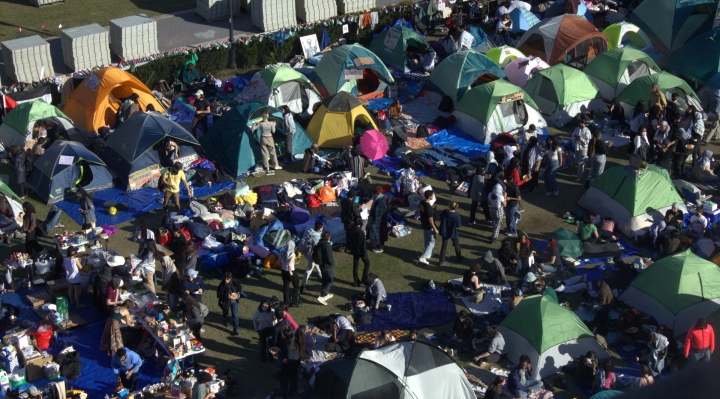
[492, 290]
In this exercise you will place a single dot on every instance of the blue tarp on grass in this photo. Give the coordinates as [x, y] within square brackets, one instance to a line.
[454, 138]
[413, 310]
[139, 202]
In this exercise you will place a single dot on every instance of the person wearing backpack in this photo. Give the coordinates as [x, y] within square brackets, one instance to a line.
[307, 243]
[323, 256]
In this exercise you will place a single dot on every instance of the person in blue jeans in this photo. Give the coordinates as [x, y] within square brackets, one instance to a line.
[228, 293]
[430, 230]
[126, 365]
[553, 162]
[520, 382]
[513, 203]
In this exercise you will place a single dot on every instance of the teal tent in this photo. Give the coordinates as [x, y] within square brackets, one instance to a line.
[392, 43]
[699, 58]
[671, 23]
[231, 142]
[459, 72]
[351, 68]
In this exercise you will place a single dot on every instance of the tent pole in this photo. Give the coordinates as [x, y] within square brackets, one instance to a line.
[702, 291]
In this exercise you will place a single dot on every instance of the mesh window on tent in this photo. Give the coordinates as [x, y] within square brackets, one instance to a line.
[547, 90]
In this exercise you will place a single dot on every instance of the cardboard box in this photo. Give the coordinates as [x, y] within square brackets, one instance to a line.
[57, 287]
[39, 298]
[34, 366]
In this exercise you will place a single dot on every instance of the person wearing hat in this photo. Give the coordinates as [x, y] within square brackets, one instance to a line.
[495, 270]
[72, 267]
[34, 393]
[202, 110]
[677, 217]
[192, 285]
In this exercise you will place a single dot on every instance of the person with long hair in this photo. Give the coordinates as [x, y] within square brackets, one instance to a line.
[142, 234]
[200, 389]
[290, 354]
[462, 333]
[395, 110]
[264, 323]
[72, 267]
[19, 168]
[657, 98]
[512, 171]
[377, 220]
[170, 282]
[494, 391]
[289, 130]
[356, 245]
[491, 346]
[637, 119]
[476, 192]
[512, 198]
[597, 152]
[646, 377]
[190, 257]
[605, 378]
[170, 181]
[147, 265]
[289, 275]
[87, 209]
[553, 162]
[699, 342]
[267, 143]
[521, 384]
[581, 138]
[29, 227]
[656, 353]
[112, 336]
[192, 314]
[531, 159]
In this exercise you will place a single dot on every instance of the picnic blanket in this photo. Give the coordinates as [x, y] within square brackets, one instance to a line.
[489, 303]
[369, 337]
[455, 139]
[628, 250]
[411, 310]
[139, 202]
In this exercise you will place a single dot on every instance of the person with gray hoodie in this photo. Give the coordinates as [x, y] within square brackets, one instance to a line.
[375, 295]
[309, 240]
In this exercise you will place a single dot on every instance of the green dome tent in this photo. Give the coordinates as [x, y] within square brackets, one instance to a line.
[231, 143]
[19, 122]
[281, 85]
[569, 243]
[670, 23]
[561, 92]
[337, 70]
[639, 89]
[610, 393]
[459, 72]
[676, 290]
[548, 333]
[631, 197]
[699, 58]
[391, 44]
[613, 70]
[495, 107]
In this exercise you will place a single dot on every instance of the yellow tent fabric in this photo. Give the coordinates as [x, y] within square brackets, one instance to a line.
[330, 129]
[96, 100]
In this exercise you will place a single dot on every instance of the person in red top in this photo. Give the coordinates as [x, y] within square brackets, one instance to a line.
[512, 172]
[700, 342]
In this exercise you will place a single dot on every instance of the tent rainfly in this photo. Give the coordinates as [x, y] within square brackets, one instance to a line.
[281, 85]
[625, 33]
[353, 69]
[613, 70]
[522, 69]
[632, 197]
[522, 20]
[392, 44]
[569, 39]
[548, 333]
[459, 72]
[637, 90]
[495, 107]
[18, 125]
[699, 59]
[338, 119]
[504, 55]
[676, 290]
[403, 370]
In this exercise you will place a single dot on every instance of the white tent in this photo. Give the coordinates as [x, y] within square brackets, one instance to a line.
[278, 86]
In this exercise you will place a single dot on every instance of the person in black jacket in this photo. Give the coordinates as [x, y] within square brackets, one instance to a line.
[228, 293]
[323, 256]
[19, 168]
[350, 212]
[449, 224]
[356, 245]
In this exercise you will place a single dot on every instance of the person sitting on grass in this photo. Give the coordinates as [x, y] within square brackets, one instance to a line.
[375, 295]
[462, 333]
[471, 279]
[385, 337]
[491, 346]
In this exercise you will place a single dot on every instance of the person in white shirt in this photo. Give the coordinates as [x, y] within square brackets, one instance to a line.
[502, 30]
[698, 224]
[641, 144]
[531, 131]
[581, 138]
[497, 206]
[384, 338]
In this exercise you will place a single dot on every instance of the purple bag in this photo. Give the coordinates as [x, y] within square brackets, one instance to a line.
[109, 230]
[299, 215]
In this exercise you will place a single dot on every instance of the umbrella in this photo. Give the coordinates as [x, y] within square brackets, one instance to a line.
[374, 144]
[568, 242]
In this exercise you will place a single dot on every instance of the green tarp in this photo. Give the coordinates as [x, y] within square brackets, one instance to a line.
[391, 44]
[544, 323]
[19, 118]
[698, 59]
[637, 192]
[460, 71]
[609, 66]
[569, 243]
[480, 101]
[675, 281]
[639, 89]
[670, 23]
[569, 85]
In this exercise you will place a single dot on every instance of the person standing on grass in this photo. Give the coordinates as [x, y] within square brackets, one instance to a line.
[267, 144]
[531, 159]
[553, 162]
[264, 324]
[512, 200]
[350, 212]
[289, 275]
[597, 152]
[307, 244]
[449, 224]
[356, 245]
[289, 129]
[497, 204]
[170, 181]
[202, 111]
[377, 229]
[699, 342]
[427, 220]
[323, 256]
[476, 193]
[581, 138]
[87, 209]
[19, 168]
[228, 293]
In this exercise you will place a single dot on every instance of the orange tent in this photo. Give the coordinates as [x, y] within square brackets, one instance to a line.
[568, 39]
[95, 102]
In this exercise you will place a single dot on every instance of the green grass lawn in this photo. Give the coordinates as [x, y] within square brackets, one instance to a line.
[72, 13]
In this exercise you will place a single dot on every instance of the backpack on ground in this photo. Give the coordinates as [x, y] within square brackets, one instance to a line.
[422, 131]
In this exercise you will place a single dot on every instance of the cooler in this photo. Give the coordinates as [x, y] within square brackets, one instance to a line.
[714, 216]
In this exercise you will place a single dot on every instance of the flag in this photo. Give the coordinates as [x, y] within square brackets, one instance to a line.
[7, 103]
